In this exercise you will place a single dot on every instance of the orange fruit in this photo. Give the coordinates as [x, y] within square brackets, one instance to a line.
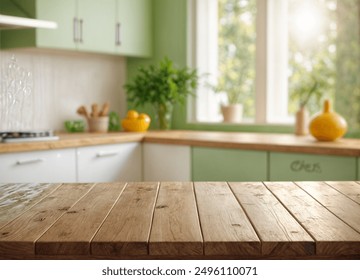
[144, 117]
[132, 114]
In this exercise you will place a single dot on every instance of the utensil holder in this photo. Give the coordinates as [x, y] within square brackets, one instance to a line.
[98, 124]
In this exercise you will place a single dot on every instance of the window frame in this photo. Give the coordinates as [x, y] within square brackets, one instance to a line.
[268, 110]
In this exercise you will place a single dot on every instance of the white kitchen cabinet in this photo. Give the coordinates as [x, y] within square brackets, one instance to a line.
[163, 162]
[50, 166]
[109, 163]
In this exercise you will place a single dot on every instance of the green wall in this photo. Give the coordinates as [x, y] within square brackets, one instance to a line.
[169, 39]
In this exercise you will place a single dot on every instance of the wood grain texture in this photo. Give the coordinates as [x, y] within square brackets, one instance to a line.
[225, 227]
[73, 140]
[333, 237]
[126, 230]
[72, 233]
[350, 189]
[256, 141]
[183, 220]
[176, 229]
[280, 234]
[339, 204]
[17, 198]
[237, 140]
[19, 236]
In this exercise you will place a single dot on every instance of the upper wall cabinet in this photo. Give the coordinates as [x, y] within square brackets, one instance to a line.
[133, 30]
[120, 27]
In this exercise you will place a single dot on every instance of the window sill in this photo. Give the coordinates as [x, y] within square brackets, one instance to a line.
[239, 127]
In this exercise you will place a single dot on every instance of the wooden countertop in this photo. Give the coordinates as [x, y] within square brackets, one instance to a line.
[180, 220]
[250, 141]
[257, 141]
[72, 140]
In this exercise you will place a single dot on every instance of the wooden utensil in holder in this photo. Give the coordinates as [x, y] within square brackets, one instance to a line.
[98, 121]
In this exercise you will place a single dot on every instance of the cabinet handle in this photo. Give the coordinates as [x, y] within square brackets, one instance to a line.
[106, 154]
[81, 31]
[29, 161]
[75, 29]
[117, 35]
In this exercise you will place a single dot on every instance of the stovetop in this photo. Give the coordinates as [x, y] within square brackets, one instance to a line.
[27, 136]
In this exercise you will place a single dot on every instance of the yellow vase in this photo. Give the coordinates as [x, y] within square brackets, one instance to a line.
[328, 125]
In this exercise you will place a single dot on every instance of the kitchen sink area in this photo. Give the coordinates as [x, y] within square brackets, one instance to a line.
[27, 136]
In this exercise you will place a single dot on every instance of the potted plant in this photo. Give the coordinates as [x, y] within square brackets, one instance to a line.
[232, 109]
[162, 85]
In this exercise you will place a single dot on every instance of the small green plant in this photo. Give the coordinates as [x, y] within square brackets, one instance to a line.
[306, 90]
[162, 85]
[232, 91]
[310, 87]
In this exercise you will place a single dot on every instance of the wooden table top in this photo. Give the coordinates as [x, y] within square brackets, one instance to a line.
[181, 220]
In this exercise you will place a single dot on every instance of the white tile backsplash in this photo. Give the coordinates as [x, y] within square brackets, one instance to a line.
[62, 81]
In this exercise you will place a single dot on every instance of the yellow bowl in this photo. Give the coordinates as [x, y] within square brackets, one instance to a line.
[135, 125]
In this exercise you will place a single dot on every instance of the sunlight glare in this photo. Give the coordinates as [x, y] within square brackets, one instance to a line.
[307, 22]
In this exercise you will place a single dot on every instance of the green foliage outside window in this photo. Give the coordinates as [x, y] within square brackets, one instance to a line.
[312, 64]
[348, 62]
[237, 35]
[327, 68]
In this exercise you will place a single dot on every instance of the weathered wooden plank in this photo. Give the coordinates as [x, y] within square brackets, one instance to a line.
[333, 237]
[72, 233]
[225, 227]
[17, 198]
[280, 234]
[176, 229]
[348, 188]
[339, 204]
[126, 230]
[19, 236]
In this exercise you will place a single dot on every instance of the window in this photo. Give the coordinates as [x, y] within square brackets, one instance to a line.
[271, 55]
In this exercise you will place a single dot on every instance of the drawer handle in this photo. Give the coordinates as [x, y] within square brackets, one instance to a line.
[29, 161]
[106, 154]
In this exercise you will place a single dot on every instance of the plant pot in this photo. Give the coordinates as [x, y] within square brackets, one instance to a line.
[163, 115]
[232, 113]
[302, 122]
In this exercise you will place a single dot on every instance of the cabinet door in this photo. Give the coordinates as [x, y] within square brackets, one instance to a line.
[53, 166]
[213, 164]
[110, 163]
[134, 27]
[166, 162]
[97, 25]
[307, 167]
[63, 12]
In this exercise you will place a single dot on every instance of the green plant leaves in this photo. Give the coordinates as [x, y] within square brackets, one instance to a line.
[162, 83]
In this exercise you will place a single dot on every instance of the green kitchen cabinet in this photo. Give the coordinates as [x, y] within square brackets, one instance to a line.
[309, 167]
[64, 14]
[133, 30]
[82, 25]
[219, 164]
[95, 25]
[121, 27]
